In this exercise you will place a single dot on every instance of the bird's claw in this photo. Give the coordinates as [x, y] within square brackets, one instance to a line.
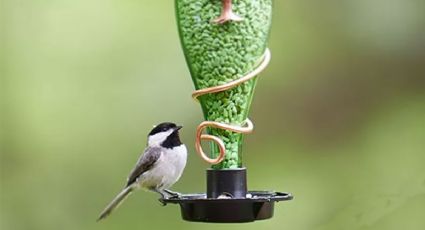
[163, 203]
[177, 195]
[172, 194]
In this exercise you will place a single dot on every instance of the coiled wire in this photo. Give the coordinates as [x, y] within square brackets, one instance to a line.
[248, 126]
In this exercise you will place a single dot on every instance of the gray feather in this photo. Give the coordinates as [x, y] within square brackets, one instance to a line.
[145, 162]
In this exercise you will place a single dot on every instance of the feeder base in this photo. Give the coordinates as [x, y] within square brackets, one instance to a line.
[258, 205]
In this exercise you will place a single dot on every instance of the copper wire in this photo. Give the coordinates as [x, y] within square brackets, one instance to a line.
[248, 126]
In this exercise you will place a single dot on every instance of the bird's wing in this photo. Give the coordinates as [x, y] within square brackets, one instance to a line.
[145, 162]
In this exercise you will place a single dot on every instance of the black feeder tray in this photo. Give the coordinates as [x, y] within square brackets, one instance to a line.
[227, 200]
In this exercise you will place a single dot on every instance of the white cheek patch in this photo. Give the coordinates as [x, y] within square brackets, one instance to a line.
[157, 139]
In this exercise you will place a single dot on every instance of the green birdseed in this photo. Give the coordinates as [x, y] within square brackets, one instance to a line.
[217, 54]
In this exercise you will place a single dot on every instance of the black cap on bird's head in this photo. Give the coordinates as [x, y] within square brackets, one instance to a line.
[165, 134]
[164, 127]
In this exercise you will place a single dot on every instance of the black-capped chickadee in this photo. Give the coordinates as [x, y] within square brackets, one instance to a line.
[158, 168]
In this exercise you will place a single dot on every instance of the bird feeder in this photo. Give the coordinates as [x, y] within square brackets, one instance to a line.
[225, 46]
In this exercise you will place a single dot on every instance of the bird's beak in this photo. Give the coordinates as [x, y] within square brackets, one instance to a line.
[178, 127]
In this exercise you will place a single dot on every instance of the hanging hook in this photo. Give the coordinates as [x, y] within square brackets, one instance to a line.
[227, 13]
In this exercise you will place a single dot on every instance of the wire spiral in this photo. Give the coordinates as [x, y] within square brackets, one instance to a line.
[248, 125]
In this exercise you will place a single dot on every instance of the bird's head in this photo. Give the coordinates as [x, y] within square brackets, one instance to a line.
[165, 134]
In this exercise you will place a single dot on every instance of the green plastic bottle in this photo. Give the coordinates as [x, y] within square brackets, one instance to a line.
[220, 53]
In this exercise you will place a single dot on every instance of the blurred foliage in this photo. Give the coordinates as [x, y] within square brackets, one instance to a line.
[339, 113]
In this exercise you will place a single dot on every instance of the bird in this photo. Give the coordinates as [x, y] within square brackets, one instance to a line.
[227, 13]
[158, 168]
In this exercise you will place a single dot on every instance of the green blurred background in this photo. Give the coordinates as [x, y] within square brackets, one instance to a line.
[339, 113]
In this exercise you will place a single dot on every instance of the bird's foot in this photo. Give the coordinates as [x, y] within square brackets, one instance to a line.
[172, 193]
[163, 196]
[163, 203]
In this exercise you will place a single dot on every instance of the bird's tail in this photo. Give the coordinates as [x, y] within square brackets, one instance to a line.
[115, 202]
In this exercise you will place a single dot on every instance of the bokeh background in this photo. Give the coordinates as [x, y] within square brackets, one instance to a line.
[339, 113]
